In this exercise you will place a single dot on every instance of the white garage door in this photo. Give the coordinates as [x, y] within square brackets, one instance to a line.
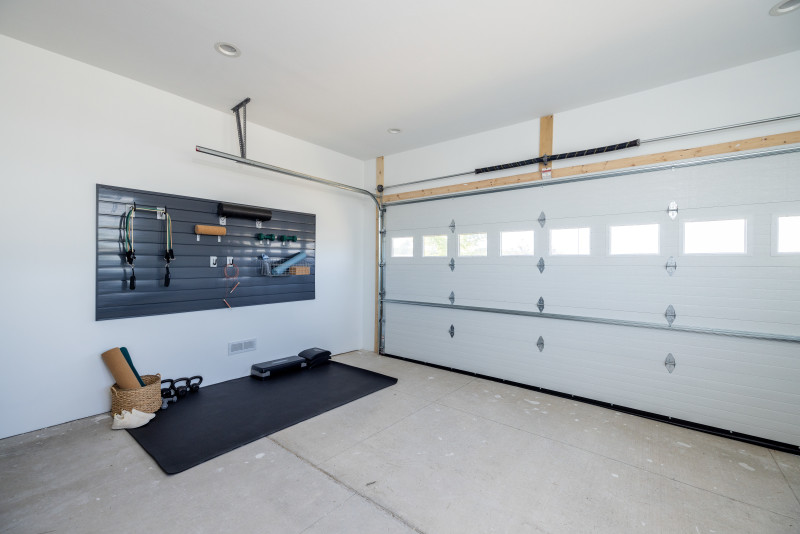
[601, 268]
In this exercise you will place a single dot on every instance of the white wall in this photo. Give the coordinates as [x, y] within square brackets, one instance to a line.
[67, 126]
[754, 91]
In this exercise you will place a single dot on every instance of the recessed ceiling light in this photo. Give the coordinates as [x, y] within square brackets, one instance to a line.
[394, 130]
[227, 49]
[783, 7]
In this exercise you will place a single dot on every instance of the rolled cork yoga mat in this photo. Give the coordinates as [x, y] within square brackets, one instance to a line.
[120, 370]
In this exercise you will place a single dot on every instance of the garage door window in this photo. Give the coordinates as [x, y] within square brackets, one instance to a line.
[715, 237]
[472, 244]
[570, 241]
[402, 247]
[635, 239]
[516, 243]
[788, 234]
[434, 246]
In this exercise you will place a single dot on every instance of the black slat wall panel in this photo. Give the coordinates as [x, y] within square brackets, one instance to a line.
[194, 284]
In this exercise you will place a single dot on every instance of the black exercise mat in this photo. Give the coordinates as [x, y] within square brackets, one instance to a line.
[225, 416]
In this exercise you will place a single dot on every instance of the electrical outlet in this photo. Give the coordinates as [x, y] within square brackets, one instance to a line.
[212, 261]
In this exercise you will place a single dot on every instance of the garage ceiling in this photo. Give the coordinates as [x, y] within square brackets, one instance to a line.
[340, 73]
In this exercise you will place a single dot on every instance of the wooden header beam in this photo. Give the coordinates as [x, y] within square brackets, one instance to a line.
[742, 145]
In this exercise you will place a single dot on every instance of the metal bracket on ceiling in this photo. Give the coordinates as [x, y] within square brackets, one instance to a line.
[452, 264]
[540, 343]
[671, 266]
[452, 297]
[540, 304]
[542, 219]
[540, 265]
[241, 125]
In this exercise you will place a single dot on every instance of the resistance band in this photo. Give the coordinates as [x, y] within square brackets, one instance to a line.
[230, 278]
[130, 253]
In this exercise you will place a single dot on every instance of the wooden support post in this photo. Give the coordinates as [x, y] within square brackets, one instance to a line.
[378, 182]
[545, 138]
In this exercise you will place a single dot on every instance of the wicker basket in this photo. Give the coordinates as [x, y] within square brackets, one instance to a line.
[145, 399]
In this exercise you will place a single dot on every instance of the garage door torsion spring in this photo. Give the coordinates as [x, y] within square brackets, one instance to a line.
[566, 155]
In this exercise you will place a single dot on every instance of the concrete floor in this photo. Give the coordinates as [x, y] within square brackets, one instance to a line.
[439, 452]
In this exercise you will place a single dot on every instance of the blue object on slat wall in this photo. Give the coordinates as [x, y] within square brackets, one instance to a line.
[194, 285]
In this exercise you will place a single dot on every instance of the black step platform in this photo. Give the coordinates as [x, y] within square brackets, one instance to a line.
[266, 369]
[308, 358]
[315, 356]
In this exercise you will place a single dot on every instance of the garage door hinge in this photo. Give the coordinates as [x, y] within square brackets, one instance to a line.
[383, 232]
[669, 363]
[452, 330]
[671, 266]
[540, 265]
[542, 219]
[453, 226]
[540, 304]
[670, 314]
[452, 264]
[672, 211]
[452, 297]
[540, 343]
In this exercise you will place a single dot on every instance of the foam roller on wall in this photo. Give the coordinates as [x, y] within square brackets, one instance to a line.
[243, 212]
[203, 229]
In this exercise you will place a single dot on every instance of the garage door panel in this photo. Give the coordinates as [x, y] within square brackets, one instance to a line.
[672, 395]
[736, 383]
[612, 345]
[680, 394]
[606, 371]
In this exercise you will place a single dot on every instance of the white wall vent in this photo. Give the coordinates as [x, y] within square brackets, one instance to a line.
[237, 347]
